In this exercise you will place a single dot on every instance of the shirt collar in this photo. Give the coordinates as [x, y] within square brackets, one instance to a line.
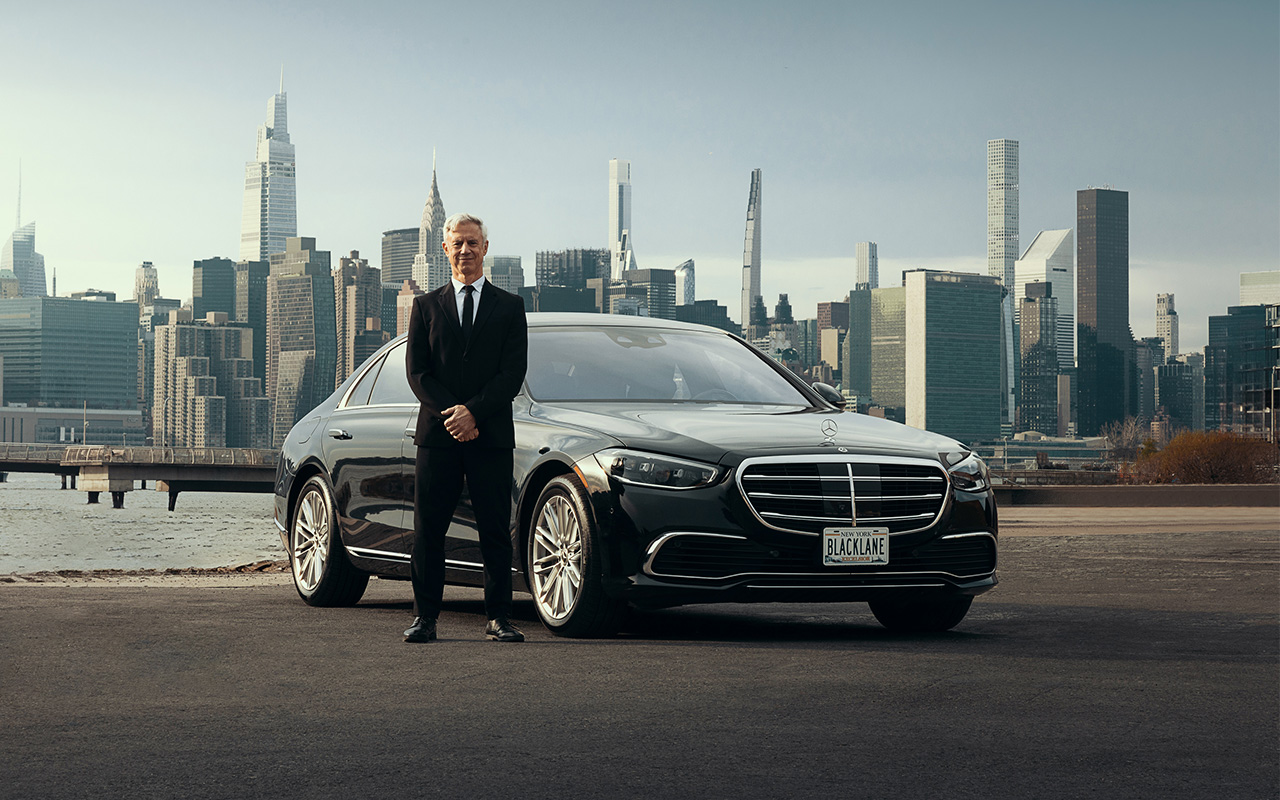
[457, 284]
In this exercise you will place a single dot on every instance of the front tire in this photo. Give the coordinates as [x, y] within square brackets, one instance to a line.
[563, 565]
[921, 613]
[321, 572]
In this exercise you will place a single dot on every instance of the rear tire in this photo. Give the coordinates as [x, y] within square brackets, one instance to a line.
[921, 613]
[564, 567]
[322, 574]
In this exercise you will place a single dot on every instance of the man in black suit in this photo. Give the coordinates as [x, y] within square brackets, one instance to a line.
[467, 355]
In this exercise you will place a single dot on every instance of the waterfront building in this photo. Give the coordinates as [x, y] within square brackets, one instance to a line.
[1260, 288]
[952, 360]
[146, 285]
[1002, 255]
[505, 272]
[571, 268]
[751, 251]
[251, 308]
[270, 209]
[398, 249]
[61, 352]
[430, 265]
[301, 333]
[1167, 326]
[357, 294]
[404, 304]
[867, 264]
[1051, 258]
[213, 287]
[1239, 365]
[888, 350]
[685, 294]
[206, 394]
[1038, 359]
[708, 312]
[1104, 386]
[618, 241]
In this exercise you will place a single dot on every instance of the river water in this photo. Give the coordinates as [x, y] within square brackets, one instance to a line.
[44, 527]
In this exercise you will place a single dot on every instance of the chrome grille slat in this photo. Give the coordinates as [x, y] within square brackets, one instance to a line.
[806, 494]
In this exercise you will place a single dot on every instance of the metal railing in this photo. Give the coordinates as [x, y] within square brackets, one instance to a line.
[194, 456]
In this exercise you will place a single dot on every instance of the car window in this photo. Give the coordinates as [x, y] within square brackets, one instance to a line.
[360, 394]
[651, 365]
[392, 385]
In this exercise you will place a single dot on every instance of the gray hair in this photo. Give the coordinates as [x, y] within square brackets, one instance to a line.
[452, 223]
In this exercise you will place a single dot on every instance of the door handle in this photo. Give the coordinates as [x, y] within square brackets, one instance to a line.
[339, 433]
[410, 431]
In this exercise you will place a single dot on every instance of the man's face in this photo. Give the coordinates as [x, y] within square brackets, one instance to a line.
[466, 248]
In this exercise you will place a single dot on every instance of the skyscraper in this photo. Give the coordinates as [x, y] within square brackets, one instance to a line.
[1051, 259]
[398, 249]
[751, 251]
[506, 272]
[868, 265]
[146, 285]
[621, 257]
[430, 267]
[20, 256]
[951, 376]
[571, 268]
[685, 295]
[302, 339]
[213, 287]
[1103, 342]
[270, 212]
[1167, 326]
[1002, 253]
[357, 294]
[1038, 363]
[1260, 288]
[251, 309]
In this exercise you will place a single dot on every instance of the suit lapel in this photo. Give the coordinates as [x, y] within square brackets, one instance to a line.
[449, 306]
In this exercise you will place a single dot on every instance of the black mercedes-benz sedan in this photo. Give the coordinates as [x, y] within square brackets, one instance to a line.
[657, 463]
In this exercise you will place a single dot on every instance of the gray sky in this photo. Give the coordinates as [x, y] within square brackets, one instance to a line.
[133, 121]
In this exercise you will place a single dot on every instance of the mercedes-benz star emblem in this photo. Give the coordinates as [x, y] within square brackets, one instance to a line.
[829, 428]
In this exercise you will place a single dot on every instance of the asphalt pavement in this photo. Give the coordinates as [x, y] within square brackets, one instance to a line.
[1106, 664]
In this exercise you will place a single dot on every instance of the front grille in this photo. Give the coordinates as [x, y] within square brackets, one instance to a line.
[711, 557]
[808, 495]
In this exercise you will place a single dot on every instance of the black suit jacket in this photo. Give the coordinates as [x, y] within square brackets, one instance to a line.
[484, 374]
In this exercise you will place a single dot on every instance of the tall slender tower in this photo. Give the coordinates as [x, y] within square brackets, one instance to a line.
[1167, 326]
[20, 254]
[867, 259]
[1103, 341]
[751, 252]
[430, 267]
[1002, 253]
[685, 284]
[619, 240]
[270, 214]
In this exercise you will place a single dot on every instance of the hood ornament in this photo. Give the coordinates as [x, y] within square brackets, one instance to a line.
[829, 429]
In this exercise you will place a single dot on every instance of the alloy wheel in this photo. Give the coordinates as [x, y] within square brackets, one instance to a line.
[557, 558]
[310, 540]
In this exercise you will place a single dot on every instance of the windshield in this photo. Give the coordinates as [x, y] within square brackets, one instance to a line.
[647, 365]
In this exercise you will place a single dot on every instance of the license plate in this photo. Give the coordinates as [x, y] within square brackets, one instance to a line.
[842, 547]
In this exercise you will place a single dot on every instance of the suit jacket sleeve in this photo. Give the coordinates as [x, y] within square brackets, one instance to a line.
[496, 394]
[419, 364]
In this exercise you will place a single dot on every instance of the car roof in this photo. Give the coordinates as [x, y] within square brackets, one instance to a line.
[567, 319]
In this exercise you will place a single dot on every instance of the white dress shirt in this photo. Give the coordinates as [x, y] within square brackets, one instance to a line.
[461, 296]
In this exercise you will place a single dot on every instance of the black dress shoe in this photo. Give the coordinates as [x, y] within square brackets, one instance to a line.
[422, 630]
[501, 630]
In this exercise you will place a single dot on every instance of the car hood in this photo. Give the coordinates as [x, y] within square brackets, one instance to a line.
[729, 433]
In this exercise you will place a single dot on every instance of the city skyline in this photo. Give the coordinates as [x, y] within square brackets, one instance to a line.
[883, 143]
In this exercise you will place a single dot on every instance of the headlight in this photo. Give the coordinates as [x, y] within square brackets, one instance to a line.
[968, 472]
[646, 469]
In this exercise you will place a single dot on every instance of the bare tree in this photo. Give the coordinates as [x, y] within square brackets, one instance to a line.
[1125, 438]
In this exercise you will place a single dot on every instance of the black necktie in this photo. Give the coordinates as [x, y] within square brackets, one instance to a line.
[468, 306]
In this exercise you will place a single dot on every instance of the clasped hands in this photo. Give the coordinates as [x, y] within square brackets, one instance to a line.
[460, 423]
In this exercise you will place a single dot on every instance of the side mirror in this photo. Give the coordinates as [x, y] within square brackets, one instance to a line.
[830, 394]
